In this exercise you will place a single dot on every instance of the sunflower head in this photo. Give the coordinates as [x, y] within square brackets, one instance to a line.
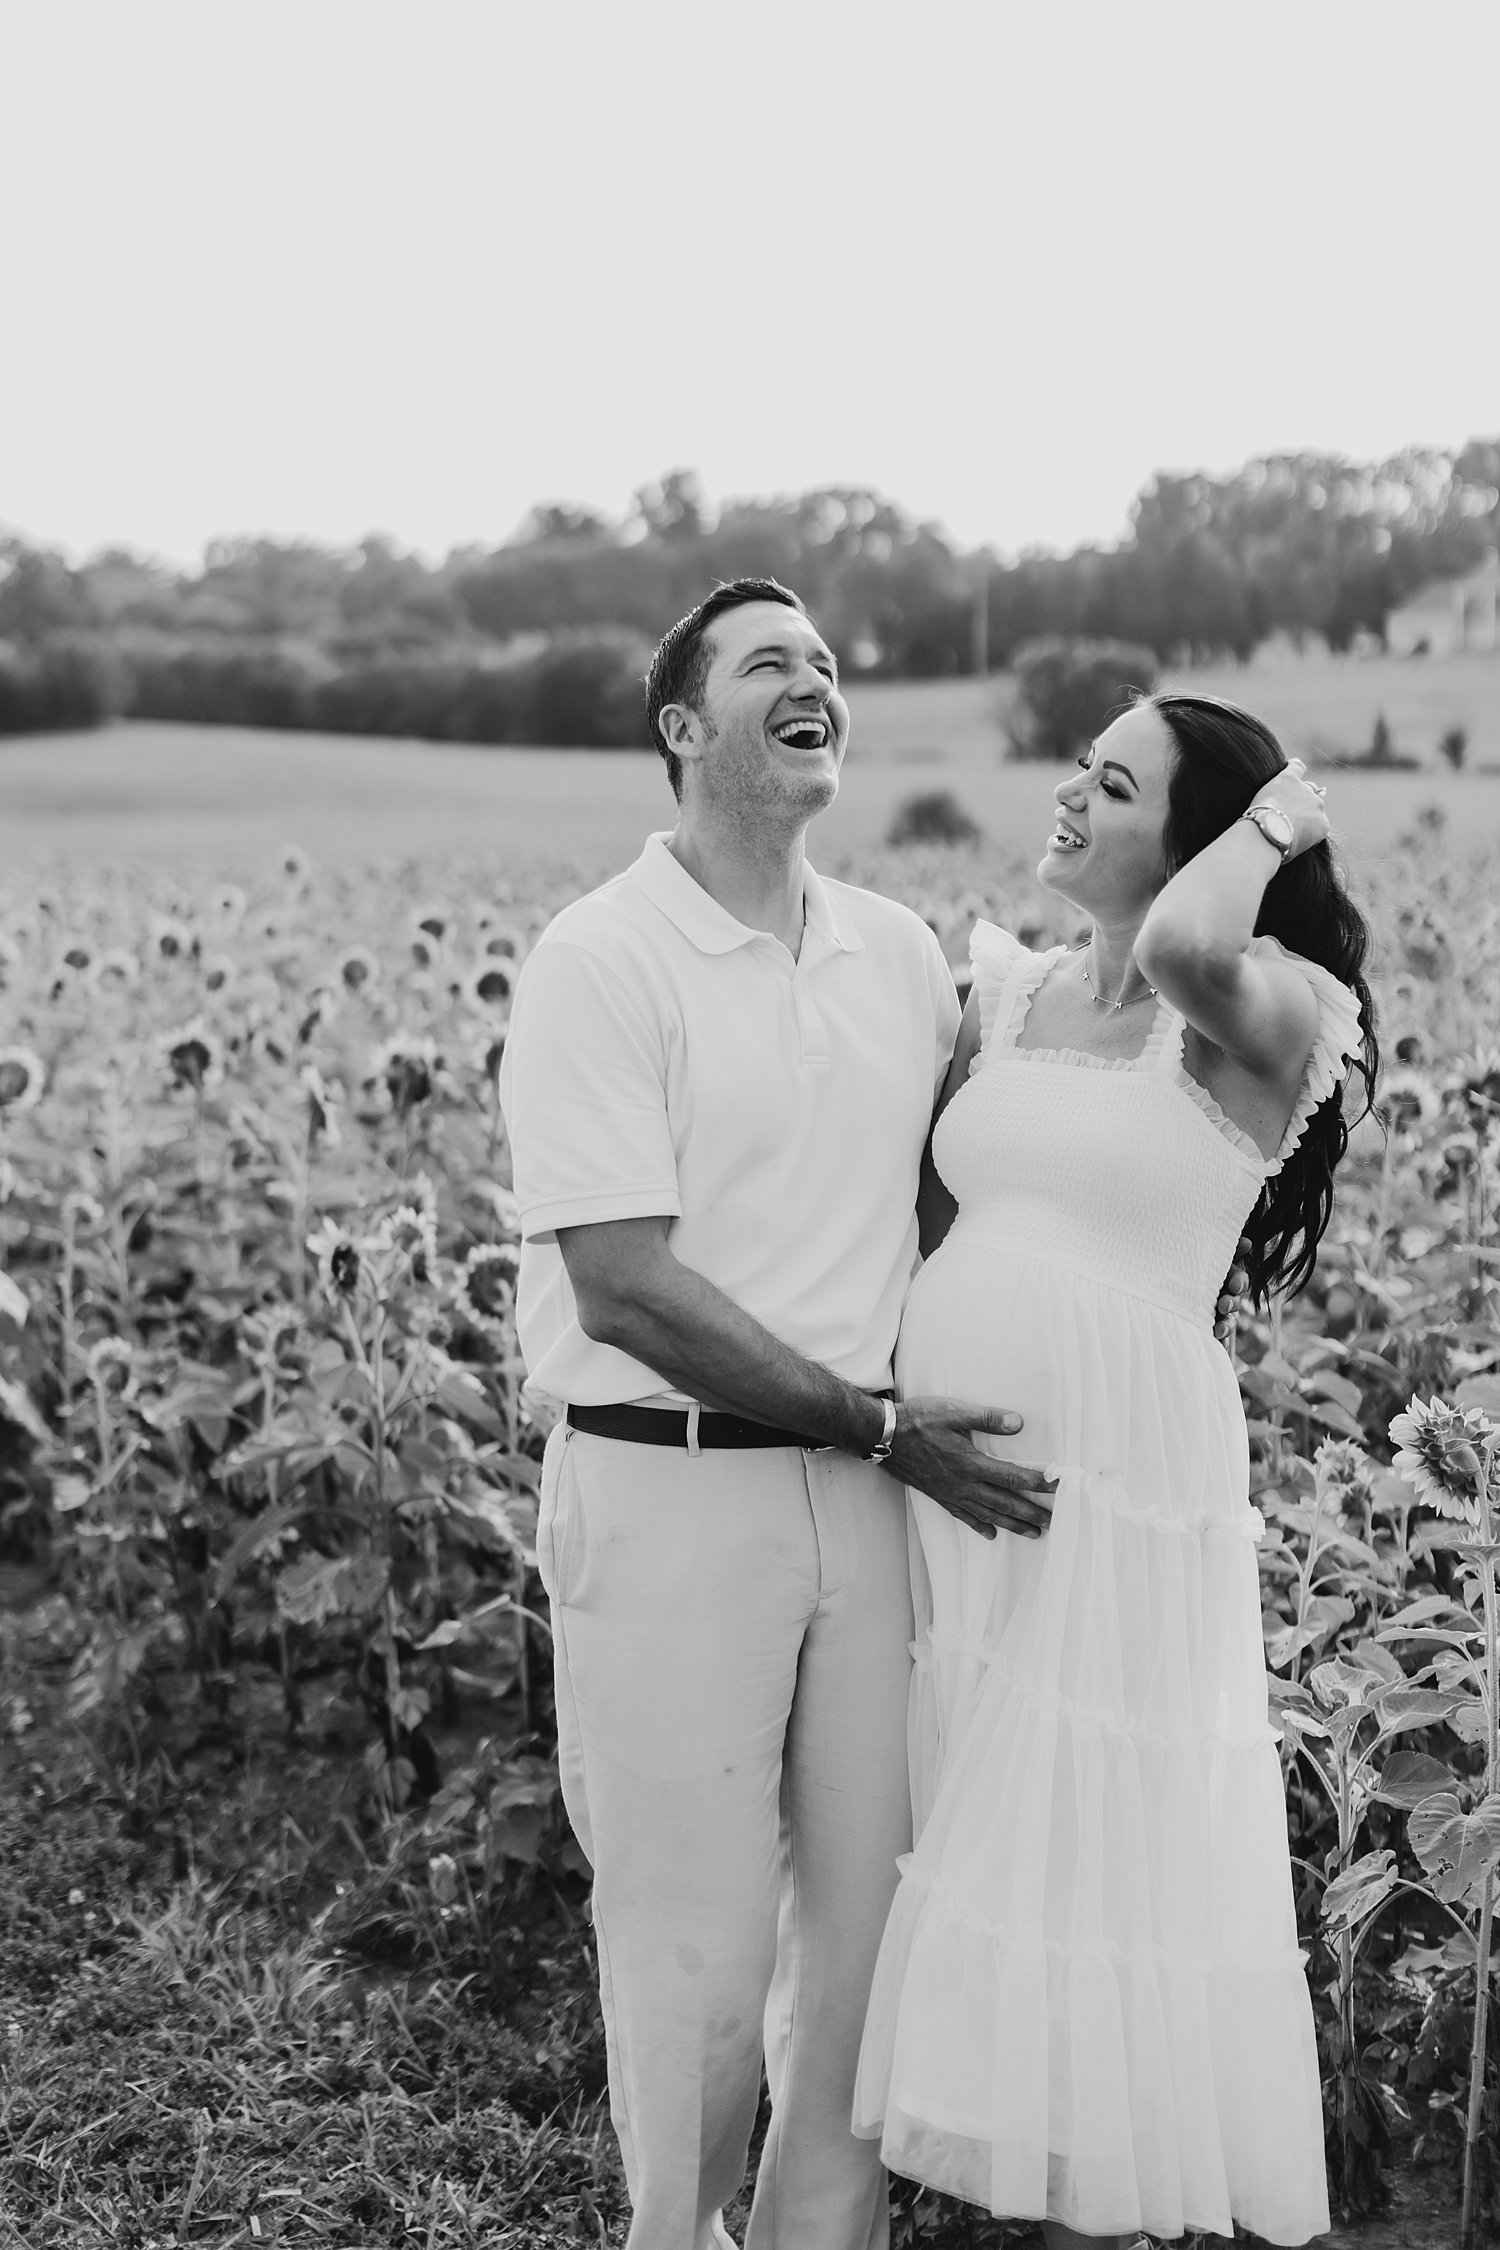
[486, 1291]
[409, 1068]
[171, 939]
[490, 984]
[358, 969]
[22, 1077]
[339, 1261]
[192, 1057]
[1440, 1454]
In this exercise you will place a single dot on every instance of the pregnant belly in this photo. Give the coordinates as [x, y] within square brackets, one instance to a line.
[1105, 1381]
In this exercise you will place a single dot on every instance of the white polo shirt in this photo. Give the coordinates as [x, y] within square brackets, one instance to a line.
[664, 1060]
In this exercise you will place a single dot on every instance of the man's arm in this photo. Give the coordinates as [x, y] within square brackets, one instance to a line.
[634, 1294]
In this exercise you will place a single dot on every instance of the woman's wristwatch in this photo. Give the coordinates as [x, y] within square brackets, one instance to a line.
[1275, 825]
[881, 1450]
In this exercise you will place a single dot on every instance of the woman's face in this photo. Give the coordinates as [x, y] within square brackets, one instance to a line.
[1106, 853]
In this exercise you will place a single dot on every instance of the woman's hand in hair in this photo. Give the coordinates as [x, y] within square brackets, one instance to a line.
[1302, 801]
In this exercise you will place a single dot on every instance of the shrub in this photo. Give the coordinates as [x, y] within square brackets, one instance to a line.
[934, 816]
[246, 687]
[1453, 745]
[64, 685]
[1066, 690]
[583, 688]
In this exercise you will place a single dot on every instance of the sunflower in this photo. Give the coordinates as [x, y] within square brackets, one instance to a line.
[339, 1259]
[1478, 1080]
[427, 952]
[434, 922]
[1344, 1470]
[219, 972]
[117, 969]
[112, 1366]
[77, 956]
[409, 1068]
[23, 1074]
[505, 944]
[409, 1233]
[357, 969]
[293, 863]
[485, 1291]
[489, 985]
[1408, 1098]
[1439, 1455]
[172, 939]
[192, 1057]
[10, 960]
[227, 903]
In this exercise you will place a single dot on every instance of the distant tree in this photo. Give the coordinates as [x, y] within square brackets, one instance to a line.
[65, 685]
[674, 508]
[933, 817]
[39, 594]
[1453, 745]
[1068, 690]
[1382, 750]
[560, 519]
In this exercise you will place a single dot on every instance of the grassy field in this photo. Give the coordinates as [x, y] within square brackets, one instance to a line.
[226, 797]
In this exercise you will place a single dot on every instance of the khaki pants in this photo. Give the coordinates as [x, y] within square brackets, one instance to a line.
[732, 1645]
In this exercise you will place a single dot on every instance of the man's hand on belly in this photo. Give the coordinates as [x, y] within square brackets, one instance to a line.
[934, 1449]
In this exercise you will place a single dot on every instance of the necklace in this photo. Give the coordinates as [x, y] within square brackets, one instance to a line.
[1098, 999]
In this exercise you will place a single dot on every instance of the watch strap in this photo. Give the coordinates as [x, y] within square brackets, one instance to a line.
[881, 1450]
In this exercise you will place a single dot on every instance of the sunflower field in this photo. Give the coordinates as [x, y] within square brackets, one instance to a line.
[293, 1936]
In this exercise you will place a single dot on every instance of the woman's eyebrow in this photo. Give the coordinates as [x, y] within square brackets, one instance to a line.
[1114, 765]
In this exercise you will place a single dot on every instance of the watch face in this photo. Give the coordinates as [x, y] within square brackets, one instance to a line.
[1274, 825]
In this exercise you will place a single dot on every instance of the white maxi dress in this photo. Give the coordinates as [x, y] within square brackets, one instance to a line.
[1090, 2004]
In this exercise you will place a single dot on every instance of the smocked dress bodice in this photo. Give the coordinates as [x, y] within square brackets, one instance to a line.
[1135, 1178]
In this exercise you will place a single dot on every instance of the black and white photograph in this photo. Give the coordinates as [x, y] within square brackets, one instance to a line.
[749, 1125]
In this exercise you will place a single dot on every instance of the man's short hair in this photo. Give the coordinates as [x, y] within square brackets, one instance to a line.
[679, 669]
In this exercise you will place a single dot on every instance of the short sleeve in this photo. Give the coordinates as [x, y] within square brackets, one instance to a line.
[583, 1091]
[1338, 1041]
[1003, 969]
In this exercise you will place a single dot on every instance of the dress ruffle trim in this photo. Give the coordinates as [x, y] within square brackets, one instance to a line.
[1339, 1040]
[1004, 970]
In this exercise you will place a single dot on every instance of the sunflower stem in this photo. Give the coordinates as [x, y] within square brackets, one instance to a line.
[1479, 2045]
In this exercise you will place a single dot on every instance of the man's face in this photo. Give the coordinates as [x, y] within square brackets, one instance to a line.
[772, 728]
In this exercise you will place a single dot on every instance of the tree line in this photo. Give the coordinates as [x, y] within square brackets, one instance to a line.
[545, 637]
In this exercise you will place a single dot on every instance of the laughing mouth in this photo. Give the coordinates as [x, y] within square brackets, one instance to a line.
[803, 734]
[1065, 838]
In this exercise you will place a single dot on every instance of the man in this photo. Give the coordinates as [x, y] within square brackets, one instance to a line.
[718, 1085]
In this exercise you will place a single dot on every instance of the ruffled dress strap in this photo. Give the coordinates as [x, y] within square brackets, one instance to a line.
[1339, 1040]
[1006, 974]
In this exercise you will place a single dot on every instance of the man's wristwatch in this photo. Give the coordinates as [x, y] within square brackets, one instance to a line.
[881, 1451]
[1275, 826]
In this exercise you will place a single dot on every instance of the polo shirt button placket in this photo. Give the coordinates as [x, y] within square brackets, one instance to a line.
[810, 1024]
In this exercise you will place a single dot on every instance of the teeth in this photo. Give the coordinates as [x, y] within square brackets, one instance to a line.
[1066, 840]
[795, 731]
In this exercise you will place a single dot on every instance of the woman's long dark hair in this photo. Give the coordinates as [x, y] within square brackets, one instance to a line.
[1224, 756]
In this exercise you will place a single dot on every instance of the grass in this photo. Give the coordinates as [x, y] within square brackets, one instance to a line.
[231, 2012]
[227, 797]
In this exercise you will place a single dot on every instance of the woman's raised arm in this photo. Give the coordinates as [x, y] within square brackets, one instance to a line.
[1194, 944]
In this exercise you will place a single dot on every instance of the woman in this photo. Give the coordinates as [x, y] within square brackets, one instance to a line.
[1090, 2007]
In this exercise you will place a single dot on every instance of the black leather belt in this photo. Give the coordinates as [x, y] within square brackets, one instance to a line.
[662, 1425]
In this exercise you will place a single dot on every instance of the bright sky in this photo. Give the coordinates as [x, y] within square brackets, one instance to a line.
[332, 266]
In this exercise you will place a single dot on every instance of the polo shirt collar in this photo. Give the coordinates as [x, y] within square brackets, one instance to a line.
[710, 926]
